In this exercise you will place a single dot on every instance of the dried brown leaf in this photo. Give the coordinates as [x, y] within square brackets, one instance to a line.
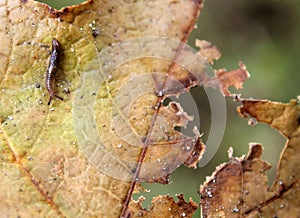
[239, 187]
[164, 206]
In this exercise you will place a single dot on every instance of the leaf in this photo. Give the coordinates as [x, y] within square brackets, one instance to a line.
[239, 187]
[208, 51]
[84, 154]
[164, 206]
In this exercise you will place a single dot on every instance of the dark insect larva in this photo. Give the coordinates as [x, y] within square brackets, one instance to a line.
[52, 69]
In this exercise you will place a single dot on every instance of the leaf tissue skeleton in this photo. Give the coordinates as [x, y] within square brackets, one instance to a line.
[52, 69]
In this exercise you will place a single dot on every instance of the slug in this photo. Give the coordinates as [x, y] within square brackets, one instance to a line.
[52, 69]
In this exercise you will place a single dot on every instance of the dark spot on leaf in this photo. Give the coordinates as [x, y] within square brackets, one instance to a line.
[66, 90]
[37, 85]
[111, 10]
[65, 10]
[143, 139]
[133, 170]
[96, 32]
[298, 120]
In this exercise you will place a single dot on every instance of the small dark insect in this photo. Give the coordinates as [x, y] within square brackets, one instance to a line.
[52, 69]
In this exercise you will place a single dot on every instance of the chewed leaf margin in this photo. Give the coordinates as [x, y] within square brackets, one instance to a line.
[239, 187]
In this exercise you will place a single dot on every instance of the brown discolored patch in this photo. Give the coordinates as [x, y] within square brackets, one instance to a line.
[230, 190]
[163, 206]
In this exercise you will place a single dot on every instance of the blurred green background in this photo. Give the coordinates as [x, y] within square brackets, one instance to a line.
[265, 35]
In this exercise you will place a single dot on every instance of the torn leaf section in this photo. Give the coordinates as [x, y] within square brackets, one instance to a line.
[163, 206]
[208, 51]
[285, 118]
[234, 78]
[239, 187]
[236, 187]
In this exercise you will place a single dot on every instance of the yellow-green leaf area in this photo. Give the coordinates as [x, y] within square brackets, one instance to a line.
[44, 171]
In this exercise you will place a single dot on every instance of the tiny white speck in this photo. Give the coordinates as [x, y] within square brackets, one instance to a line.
[209, 194]
[252, 122]
[236, 210]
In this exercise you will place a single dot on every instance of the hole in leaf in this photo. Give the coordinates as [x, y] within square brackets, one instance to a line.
[61, 4]
[167, 101]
